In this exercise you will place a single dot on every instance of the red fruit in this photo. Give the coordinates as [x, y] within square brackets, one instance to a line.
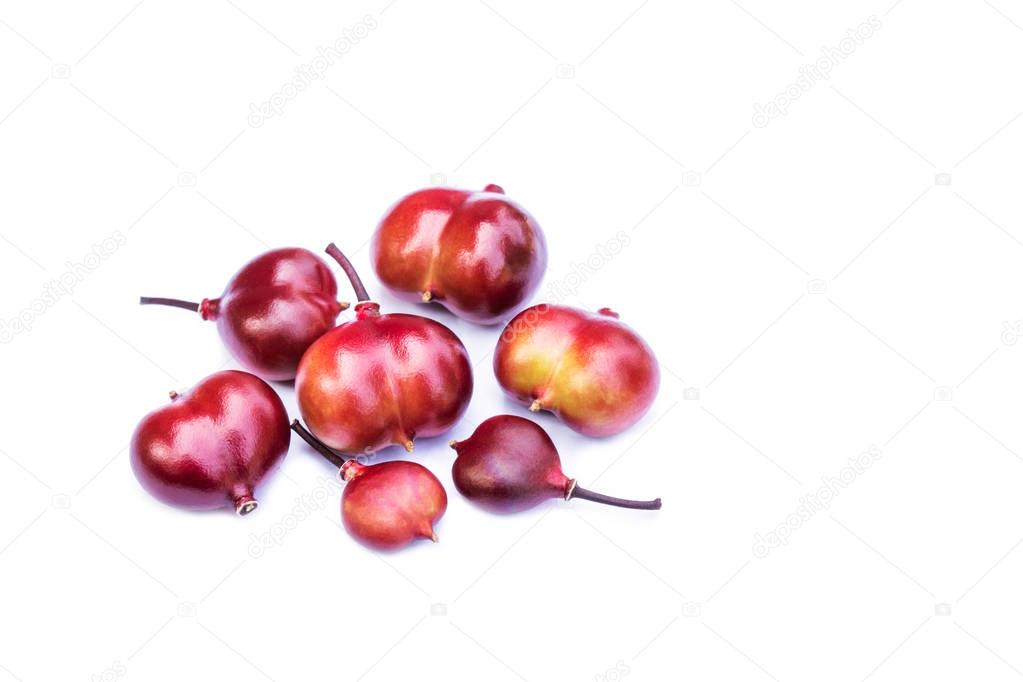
[387, 505]
[592, 371]
[272, 310]
[510, 464]
[382, 380]
[478, 254]
[210, 447]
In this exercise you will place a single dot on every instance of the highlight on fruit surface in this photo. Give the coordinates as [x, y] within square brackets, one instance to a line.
[510, 464]
[387, 505]
[591, 370]
[271, 310]
[478, 254]
[212, 445]
[382, 379]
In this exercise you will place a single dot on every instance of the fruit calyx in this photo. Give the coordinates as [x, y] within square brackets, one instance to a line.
[366, 309]
[245, 504]
[351, 469]
[575, 491]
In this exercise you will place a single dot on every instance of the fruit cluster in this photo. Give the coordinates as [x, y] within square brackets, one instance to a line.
[384, 379]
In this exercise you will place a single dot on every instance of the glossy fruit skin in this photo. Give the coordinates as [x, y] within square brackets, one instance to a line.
[273, 309]
[210, 447]
[388, 505]
[478, 254]
[383, 380]
[508, 464]
[595, 373]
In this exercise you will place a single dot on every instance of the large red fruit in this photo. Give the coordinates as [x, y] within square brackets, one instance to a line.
[210, 447]
[382, 380]
[272, 310]
[591, 370]
[478, 254]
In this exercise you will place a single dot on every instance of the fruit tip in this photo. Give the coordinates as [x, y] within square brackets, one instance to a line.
[245, 507]
[344, 305]
[173, 395]
[433, 536]
[535, 406]
[427, 297]
[409, 446]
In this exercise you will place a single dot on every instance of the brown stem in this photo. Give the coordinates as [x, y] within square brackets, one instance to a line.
[584, 494]
[317, 444]
[175, 302]
[346, 265]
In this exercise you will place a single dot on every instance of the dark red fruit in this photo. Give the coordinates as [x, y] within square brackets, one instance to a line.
[382, 380]
[272, 310]
[388, 505]
[210, 447]
[510, 464]
[596, 374]
[478, 254]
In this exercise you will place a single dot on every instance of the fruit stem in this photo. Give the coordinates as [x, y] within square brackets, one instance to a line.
[584, 494]
[175, 302]
[346, 265]
[317, 444]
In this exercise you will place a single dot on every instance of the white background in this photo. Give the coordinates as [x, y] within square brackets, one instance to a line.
[817, 285]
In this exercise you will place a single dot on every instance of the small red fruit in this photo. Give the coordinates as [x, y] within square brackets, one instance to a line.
[478, 254]
[510, 464]
[596, 374]
[272, 310]
[382, 380]
[388, 505]
[210, 447]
